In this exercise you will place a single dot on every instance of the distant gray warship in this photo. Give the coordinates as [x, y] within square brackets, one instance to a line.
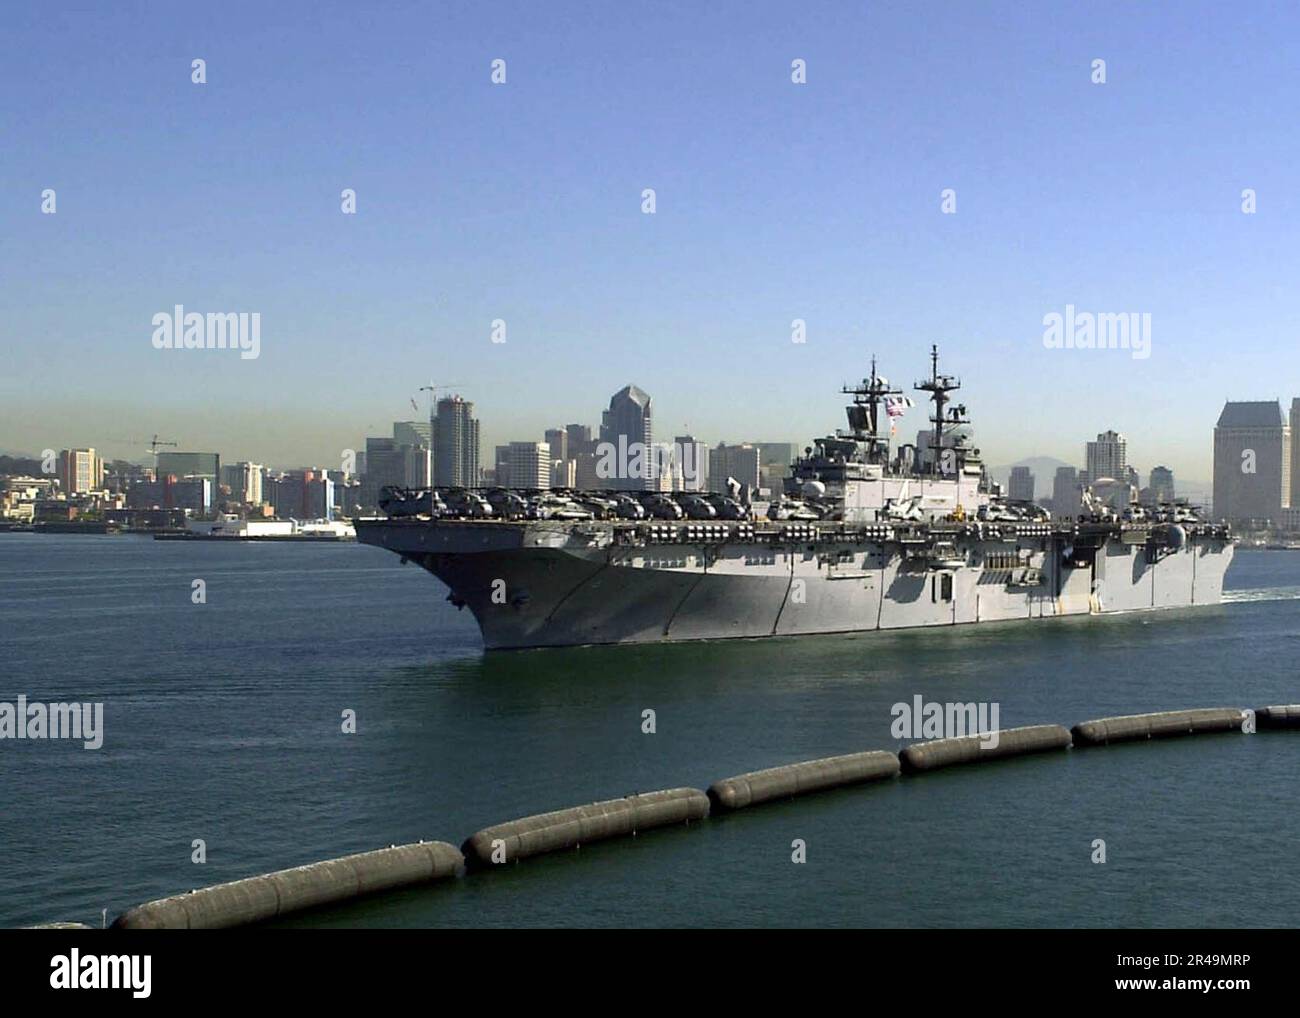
[862, 538]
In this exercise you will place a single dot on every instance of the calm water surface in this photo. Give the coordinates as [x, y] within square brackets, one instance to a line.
[223, 723]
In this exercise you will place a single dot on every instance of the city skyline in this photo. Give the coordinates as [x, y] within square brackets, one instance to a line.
[420, 433]
[820, 203]
[408, 458]
[497, 435]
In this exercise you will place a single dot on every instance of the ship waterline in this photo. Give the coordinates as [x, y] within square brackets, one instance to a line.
[530, 585]
[863, 537]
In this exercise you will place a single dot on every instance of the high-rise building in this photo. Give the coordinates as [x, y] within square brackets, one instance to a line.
[1252, 462]
[1294, 422]
[738, 462]
[413, 433]
[586, 475]
[80, 470]
[119, 475]
[662, 478]
[414, 439]
[564, 473]
[774, 460]
[455, 444]
[170, 492]
[580, 453]
[523, 465]
[1065, 492]
[689, 464]
[1020, 486]
[347, 492]
[532, 460]
[244, 481]
[391, 465]
[626, 441]
[579, 440]
[305, 495]
[1162, 484]
[1107, 457]
[558, 440]
[191, 464]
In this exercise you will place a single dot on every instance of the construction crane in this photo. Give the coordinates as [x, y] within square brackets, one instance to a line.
[155, 445]
[432, 390]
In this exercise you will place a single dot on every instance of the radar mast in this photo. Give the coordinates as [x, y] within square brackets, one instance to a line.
[864, 414]
[938, 386]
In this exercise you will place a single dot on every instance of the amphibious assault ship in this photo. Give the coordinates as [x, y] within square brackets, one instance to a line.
[863, 537]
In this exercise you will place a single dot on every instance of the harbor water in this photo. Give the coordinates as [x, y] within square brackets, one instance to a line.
[223, 723]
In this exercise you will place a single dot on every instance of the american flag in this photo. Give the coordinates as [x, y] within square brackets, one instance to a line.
[896, 406]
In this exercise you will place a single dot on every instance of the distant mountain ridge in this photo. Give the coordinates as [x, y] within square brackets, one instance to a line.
[20, 466]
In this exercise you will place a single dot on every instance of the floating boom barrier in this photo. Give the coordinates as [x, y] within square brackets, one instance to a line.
[258, 899]
[936, 753]
[1285, 716]
[801, 778]
[569, 828]
[1161, 725]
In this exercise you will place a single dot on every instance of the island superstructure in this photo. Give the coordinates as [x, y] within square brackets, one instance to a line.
[865, 536]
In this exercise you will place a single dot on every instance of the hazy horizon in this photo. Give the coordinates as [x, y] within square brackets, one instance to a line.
[523, 202]
[1043, 476]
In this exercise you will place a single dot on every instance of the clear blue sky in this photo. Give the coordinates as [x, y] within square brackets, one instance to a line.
[522, 202]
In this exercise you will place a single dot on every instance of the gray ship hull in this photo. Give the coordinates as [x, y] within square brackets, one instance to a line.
[535, 584]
